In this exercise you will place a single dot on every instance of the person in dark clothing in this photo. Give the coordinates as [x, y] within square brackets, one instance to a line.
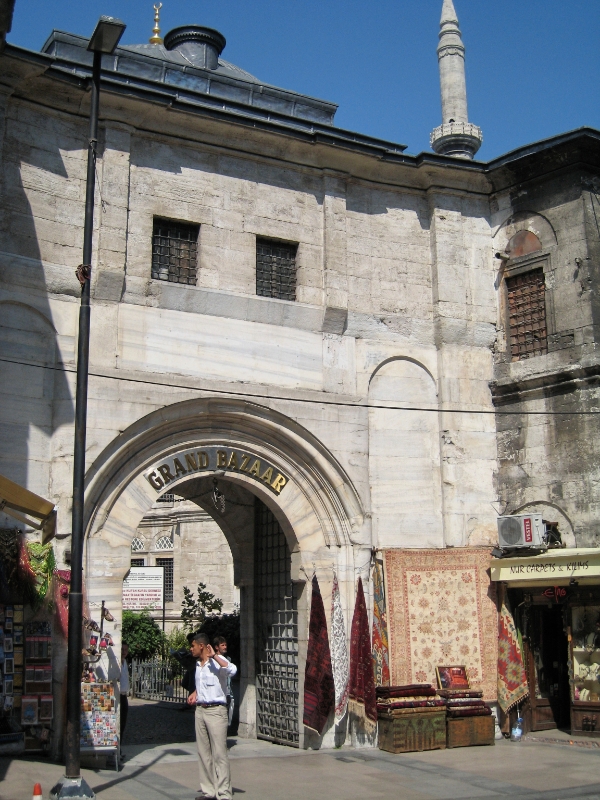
[123, 689]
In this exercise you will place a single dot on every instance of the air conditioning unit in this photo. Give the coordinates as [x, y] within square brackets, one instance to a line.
[521, 530]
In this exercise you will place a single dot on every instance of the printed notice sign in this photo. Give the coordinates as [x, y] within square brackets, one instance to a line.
[143, 588]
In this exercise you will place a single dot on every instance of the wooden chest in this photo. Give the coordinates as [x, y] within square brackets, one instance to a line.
[413, 732]
[470, 731]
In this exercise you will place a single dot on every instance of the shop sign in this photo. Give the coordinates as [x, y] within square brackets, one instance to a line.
[210, 459]
[556, 593]
[143, 588]
[561, 565]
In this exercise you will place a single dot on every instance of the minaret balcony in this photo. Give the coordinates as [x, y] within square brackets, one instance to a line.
[458, 139]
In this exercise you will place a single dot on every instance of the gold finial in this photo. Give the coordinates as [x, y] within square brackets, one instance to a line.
[156, 37]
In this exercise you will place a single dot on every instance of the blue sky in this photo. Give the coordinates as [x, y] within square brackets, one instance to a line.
[533, 66]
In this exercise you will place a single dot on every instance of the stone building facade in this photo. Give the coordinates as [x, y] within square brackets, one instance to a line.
[548, 463]
[310, 316]
[181, 537]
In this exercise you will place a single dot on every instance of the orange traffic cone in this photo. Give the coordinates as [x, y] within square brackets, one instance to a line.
[37, 792]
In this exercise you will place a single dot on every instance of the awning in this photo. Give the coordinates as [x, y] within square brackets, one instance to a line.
[28, 507]
[553, 568]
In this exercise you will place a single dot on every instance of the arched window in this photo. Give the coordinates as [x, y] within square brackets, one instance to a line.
[137, 545]
[526, 295]
[164, 543]
[522, 244]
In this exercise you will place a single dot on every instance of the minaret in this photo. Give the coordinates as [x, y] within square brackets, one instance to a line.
[456, 136]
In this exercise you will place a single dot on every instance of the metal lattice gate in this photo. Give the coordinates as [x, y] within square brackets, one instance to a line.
[276, 621]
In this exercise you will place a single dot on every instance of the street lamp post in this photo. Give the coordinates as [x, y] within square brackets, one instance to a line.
[104, 40]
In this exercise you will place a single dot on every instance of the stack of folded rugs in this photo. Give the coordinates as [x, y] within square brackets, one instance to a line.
[465, 703]
[414, 698]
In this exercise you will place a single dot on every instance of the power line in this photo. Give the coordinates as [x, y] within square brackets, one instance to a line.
[340, 403]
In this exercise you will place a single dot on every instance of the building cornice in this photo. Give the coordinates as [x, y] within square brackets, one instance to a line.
[328, 147]
[511, 391]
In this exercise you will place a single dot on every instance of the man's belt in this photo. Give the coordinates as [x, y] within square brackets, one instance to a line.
[210, 705]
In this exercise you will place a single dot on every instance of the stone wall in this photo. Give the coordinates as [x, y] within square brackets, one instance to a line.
[546, 443]
[200, 554]
[409, 275]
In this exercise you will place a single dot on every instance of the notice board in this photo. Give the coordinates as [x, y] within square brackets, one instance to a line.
[143, 587]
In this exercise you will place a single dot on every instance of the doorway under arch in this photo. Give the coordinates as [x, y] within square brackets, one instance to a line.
[302, 493]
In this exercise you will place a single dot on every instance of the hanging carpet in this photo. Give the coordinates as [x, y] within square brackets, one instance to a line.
[362, 700]
[442, 609]
[319, 690]
[60, 591]
[339, 652]
[512, 678]
[380, 645]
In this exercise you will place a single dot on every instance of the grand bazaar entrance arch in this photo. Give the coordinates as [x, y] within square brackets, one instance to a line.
[289, 507]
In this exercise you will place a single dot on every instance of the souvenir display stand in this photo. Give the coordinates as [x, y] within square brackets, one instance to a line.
[12, 737]
[26, 664]
[99, 731]
[99, 724]
[585, 665]
[26, 700]
[37, 704]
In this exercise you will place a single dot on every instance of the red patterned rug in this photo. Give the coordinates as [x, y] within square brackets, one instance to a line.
[512, 678]
[442, 610]
[363, 701]
[319, 691]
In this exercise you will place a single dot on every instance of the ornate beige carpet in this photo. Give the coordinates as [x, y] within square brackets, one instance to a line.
[442, 611]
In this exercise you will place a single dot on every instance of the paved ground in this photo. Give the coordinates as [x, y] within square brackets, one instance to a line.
[158, 723]
[549, 768]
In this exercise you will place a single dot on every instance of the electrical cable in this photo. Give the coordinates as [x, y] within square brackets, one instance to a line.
[252, 395]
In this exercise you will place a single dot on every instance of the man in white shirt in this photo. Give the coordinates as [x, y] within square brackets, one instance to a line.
[210, 699]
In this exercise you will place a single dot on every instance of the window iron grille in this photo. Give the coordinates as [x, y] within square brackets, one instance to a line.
[276, 269]
[527, 314]
[137, 562]
[174, 251]
[137, 545]
[276, 621]
[167, 564]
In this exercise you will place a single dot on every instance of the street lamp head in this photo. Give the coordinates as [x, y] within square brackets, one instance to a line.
[106, 35]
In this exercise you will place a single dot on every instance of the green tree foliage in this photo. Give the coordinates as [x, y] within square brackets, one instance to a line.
[142, 634]
[176, 641]
[195, 610]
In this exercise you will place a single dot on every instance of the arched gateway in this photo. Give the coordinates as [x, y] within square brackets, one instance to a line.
[254, 452]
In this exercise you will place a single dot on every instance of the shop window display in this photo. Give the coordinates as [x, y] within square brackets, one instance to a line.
[586, 654]
[27, 610]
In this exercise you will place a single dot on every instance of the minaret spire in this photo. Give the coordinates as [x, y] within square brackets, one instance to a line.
[156, 37]
[456, 136]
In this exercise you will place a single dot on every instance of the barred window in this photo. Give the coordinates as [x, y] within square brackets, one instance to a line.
[167, 563]
[527, 314]
[174, 251]
[137, 544]
[166, 498]
[137, 562]
[276, 269]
